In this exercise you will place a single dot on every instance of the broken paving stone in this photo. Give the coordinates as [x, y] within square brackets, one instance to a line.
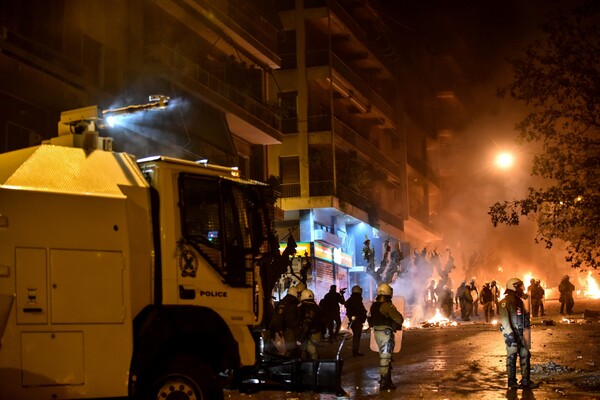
[549, 368]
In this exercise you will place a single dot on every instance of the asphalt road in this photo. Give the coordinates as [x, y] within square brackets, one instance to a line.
[468, 362]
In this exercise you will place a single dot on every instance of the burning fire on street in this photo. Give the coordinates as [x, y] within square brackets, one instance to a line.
[438, 320]
[593, 290]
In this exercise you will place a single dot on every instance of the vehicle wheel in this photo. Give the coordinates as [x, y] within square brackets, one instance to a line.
[184, 378]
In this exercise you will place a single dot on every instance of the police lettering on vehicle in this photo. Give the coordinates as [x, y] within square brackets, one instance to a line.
[210, 293]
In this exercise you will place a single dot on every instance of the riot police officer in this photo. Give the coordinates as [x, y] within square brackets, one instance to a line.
[285, 321]
[357, 314]
[514, 325]
[487, 299]
[566, 289]
[496, 295]
[385, 320]
[311, 325]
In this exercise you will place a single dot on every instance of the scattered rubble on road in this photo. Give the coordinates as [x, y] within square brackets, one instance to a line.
[550, 368]
[589, 381]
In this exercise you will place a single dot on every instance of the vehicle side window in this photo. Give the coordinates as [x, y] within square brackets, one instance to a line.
[201, 216]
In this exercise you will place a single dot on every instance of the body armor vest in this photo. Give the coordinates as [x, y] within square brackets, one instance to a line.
[377, 318]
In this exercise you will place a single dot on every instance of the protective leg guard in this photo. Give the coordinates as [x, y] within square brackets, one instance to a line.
[525, 362]
[511, 370]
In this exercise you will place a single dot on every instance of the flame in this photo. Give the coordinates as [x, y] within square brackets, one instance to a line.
[527, 279]
[592, 291]
[438, 320]
[438, 317]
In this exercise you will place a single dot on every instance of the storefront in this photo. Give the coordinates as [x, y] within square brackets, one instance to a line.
[330, 266]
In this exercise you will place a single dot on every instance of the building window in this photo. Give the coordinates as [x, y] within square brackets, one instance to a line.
[289, 111]
[289, 173]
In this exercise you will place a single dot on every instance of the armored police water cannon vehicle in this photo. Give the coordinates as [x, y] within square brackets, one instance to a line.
[145, 278]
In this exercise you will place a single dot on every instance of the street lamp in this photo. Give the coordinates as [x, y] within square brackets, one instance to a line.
[505, 160]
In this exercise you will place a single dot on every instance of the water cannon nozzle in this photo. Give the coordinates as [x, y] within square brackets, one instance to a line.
[162, 100]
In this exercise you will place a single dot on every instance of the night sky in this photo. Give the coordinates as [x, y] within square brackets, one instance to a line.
[479, 37]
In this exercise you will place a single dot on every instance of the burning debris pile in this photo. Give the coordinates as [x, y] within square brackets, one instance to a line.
[588, 317]
[438, 320]
[550, 368]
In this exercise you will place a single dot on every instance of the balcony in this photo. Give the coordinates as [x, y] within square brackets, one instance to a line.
[218, 93]
[329, 238]
[290, 190]
[319, 123]
[350, 196]
[243, 26]
[31, 64]
[361, 85]
[363, 146]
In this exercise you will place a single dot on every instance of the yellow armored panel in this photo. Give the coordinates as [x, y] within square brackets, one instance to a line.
[73, 170]
[41, 350]
[86, 286]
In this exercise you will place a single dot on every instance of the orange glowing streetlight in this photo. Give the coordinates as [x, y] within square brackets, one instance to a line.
[505, 160]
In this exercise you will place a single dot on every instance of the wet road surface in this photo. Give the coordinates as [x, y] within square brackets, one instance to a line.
[468, 362]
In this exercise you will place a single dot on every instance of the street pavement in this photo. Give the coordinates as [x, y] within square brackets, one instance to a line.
[467, 361]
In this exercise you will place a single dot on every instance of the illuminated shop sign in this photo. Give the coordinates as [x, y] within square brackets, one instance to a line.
[300, 248]
[341, 258]
[323, 252]
[327, 253]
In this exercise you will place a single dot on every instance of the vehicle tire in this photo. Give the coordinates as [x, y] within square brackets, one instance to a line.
[184, 378]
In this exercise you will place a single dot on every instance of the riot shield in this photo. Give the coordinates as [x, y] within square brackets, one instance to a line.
[527, 322]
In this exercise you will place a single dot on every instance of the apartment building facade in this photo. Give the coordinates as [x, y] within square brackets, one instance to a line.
[305, 90]
[352, 163]
[212, 58]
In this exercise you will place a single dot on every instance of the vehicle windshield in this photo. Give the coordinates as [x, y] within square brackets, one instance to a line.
[225, 221]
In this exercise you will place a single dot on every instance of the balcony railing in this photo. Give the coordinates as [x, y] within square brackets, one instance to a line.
[343, 192]
[319, 123]
[364, 146]
[390, 218]
[419, 211]
[50, 60]
[290, 190]
[182, 65]
[321, 188]
[362, 85]
[245, 14]
[346, 195]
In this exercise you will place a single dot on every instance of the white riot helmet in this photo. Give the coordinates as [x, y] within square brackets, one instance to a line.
[307, 294]
[300, 287]
[293, 291]
[384, 290]
[356, 289]
[513, 284]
